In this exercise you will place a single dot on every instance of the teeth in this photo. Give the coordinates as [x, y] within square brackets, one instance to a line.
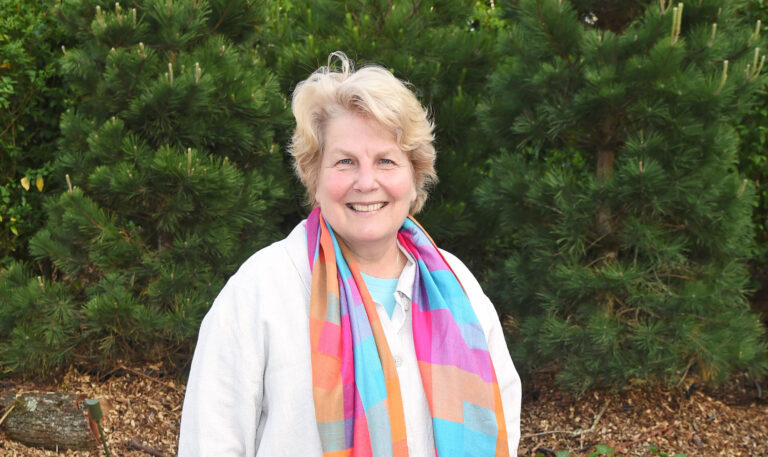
[365, 208]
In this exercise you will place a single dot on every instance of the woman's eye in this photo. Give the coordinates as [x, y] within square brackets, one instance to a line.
[344, 162]
[386, 161]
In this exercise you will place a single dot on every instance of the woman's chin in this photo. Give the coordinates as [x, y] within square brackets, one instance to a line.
[361, 239]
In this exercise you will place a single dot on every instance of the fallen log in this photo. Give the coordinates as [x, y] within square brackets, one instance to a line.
[49, 420]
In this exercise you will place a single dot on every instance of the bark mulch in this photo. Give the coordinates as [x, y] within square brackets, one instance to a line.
[730, 420]
[143, 411]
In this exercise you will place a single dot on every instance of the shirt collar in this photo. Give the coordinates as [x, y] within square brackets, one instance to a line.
[407, 276]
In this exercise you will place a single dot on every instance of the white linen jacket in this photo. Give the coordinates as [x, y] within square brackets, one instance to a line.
[249, 392]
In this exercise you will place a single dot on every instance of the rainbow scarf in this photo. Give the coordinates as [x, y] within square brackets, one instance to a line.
[358, 405]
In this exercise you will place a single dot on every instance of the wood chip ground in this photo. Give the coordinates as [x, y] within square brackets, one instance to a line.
[143, 412]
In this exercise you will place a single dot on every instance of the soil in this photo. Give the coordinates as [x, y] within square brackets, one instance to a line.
[143, 409]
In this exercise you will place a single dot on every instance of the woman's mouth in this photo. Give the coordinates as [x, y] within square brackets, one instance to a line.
[366, 207]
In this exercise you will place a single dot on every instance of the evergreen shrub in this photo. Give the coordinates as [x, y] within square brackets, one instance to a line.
[172, 178]
[445, 49]
[753, 163]
[624, 225]
[31, 98]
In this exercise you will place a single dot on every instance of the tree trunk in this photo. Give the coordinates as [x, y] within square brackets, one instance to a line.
[604, 172]
[49, 420]
[604, 167]
[604, 216]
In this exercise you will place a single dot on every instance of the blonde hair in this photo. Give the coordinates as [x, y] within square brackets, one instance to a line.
[370, 91]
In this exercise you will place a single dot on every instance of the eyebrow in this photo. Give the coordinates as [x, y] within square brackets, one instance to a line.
[346, 152]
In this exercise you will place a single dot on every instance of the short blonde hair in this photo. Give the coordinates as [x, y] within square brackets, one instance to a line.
[371, 91]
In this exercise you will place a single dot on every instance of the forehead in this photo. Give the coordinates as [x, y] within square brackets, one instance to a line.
[353, 131]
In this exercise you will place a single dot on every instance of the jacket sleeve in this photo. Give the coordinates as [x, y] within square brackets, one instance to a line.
[509, 380]
[224, 393]
[506, 375]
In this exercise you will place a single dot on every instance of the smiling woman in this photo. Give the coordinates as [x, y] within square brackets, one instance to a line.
[355, 335]
[365, 189]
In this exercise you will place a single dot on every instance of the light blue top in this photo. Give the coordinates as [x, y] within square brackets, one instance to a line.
[382, 291]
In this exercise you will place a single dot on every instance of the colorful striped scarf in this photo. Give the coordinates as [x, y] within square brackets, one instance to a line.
[358, 404]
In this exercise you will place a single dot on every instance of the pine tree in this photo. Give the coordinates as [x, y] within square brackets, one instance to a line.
[445, 49]
[624, 222]
[753, 163]
[173, 178]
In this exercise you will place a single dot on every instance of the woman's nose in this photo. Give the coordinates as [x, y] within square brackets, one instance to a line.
[366, 178]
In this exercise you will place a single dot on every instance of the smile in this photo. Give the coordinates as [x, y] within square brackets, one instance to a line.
[365, 208]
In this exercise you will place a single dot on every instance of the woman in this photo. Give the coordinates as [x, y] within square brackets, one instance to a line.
[354, 335]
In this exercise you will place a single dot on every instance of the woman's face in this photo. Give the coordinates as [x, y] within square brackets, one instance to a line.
[365, 185]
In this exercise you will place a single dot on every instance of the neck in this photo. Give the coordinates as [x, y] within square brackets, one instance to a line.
[381, 262]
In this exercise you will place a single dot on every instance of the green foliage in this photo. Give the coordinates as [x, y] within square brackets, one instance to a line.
[31, 98]
[753, 154]
[173, 178]
[623, 222]
[38, 321]
[607, 156]
[445, 49]
[753, 162]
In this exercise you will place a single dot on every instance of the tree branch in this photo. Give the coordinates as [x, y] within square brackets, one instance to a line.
[576, 432]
